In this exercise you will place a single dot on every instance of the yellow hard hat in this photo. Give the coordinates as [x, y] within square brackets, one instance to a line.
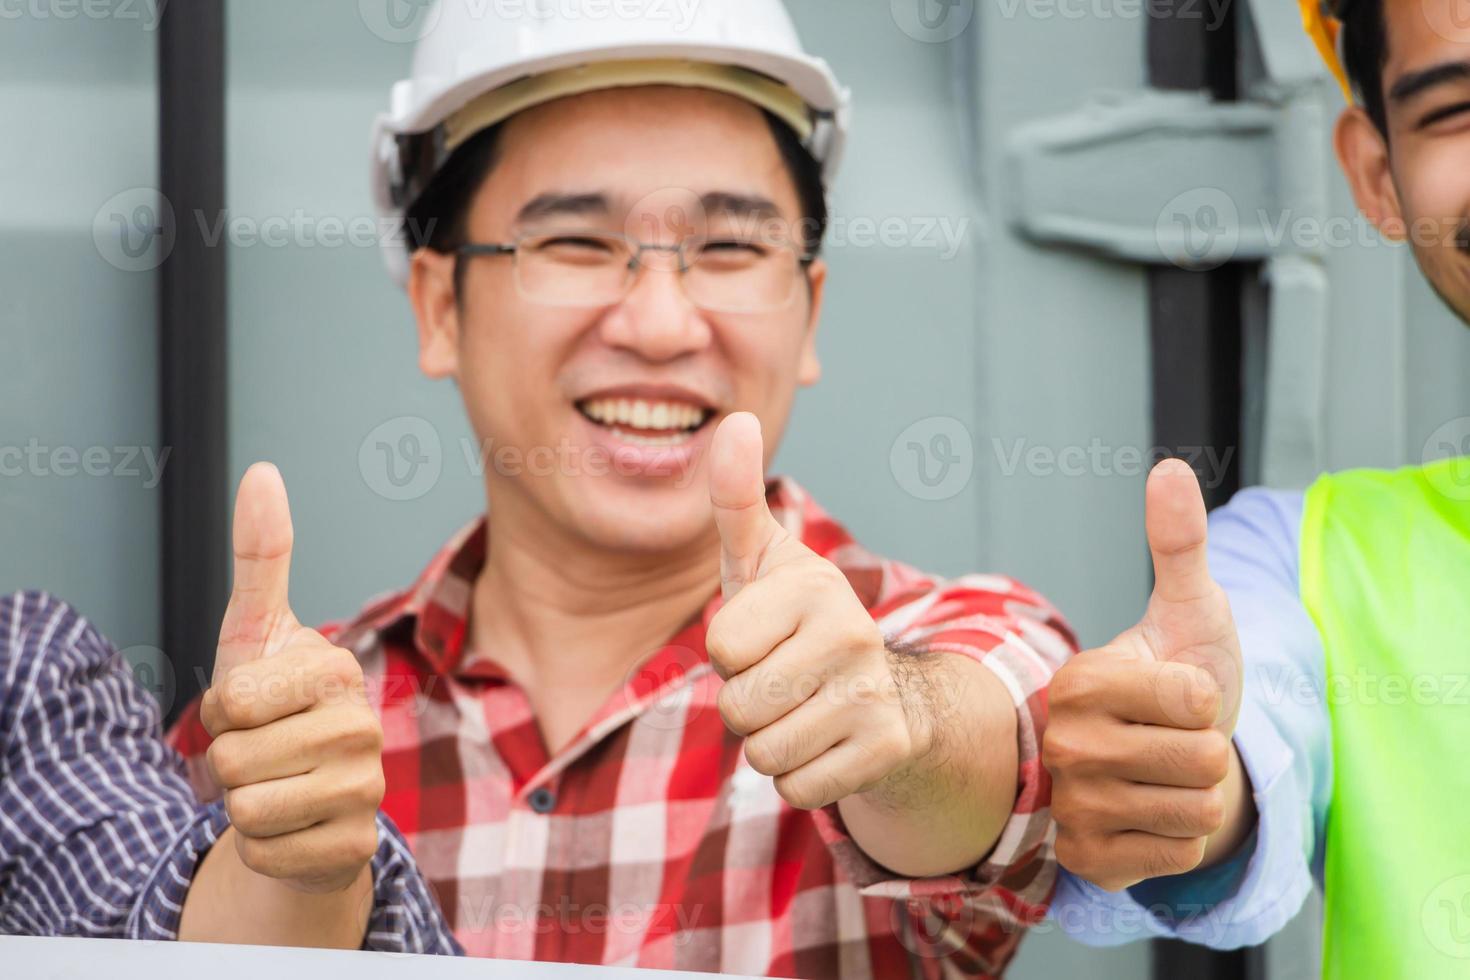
[1325, 29]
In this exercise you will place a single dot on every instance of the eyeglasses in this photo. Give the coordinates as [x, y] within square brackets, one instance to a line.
[733, 274]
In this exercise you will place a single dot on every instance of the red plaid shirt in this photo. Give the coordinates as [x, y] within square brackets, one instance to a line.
[649, 841]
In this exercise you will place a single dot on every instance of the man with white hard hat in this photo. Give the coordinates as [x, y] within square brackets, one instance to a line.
[653, 709]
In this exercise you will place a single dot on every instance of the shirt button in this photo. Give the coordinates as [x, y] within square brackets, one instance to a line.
[542, 800]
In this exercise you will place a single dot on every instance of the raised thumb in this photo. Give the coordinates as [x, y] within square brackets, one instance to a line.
[1177, 533]
[737, 490]
[259, 608]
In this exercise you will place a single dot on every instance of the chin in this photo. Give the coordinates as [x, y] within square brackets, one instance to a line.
[640, 516]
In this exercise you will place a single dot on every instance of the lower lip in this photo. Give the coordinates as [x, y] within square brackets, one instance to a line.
[628, 459]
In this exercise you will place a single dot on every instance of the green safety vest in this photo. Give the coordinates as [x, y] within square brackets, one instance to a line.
[1385, 573]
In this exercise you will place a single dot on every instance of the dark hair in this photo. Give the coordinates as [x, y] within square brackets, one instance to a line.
[439, 218]
[1365, 54]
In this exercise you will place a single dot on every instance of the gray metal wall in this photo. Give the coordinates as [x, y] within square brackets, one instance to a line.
[78, 420]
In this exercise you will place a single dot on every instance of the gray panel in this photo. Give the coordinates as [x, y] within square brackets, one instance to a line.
[1061, 367]
[1063, 345]
[77, 412]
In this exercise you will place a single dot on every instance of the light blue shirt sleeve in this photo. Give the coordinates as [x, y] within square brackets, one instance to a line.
[1284, 740]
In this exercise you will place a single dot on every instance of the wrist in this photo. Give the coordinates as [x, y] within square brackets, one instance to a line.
[949, 700]
[228, 902]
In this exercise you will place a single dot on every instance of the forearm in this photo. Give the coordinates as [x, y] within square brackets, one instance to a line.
[229, 903]
[943, 813]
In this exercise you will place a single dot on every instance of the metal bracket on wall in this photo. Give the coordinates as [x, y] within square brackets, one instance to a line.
[1176, 178]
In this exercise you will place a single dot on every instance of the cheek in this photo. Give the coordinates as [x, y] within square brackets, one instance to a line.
[764, 360]
[764, 355]
[509, 361]
[1437, 190]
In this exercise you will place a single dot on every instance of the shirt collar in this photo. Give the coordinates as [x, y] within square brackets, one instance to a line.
[436, 608]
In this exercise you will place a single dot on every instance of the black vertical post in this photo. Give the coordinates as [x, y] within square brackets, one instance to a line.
[1197, 328]
[1196, 317]
[191, 350]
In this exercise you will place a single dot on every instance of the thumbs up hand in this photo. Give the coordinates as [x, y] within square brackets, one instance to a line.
[1145, 780]
[297, 748]
[807, 674]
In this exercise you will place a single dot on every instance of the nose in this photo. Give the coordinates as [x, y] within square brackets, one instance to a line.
[656, 320]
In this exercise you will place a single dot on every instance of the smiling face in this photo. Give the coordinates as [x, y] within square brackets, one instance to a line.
[1415, 184]
[608, 401]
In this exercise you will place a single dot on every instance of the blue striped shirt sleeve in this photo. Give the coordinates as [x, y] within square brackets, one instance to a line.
[100, 834]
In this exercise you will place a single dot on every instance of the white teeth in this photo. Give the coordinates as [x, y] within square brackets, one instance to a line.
[656, 441]
[640, 414]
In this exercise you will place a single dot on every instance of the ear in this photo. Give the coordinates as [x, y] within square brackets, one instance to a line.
[431, 291]
[810, 370]
[1363, 153]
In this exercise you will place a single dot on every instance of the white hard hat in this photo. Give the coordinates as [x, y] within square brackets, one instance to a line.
[482, 61]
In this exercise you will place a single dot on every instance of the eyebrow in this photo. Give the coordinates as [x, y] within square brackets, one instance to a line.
[739, 205]
[556, 205]
[1419, 82]
[552, 205]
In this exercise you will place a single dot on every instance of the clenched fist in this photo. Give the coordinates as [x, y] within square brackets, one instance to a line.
[808, 678]
[297, 748]
[1145, 781]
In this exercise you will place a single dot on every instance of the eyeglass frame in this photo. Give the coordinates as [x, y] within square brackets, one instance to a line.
[804, 260]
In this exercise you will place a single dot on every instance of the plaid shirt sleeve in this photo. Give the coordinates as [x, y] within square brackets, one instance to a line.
[99, 832]
[405, 917]
[976, 919]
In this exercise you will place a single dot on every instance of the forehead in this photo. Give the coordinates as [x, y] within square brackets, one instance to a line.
[1422, 33]
[632, 142]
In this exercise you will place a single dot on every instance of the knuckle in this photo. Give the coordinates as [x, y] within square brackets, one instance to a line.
[344, 664]
[232, 703]
[1212, 811]
[246, 810]
[252, 853]
[369, 789]
[1085, 808]
[360, 843]
[359, 733]
[1078, 854]
[1188, 693]
[858, 632]
[804, 793]
[820, 572]
[1061, 751]
[269, 857]
[762, 755]
[1066, 808]
[1069, 852]
[1174, 857]
[226, 766]
[367, 844]
[1207, 698]
[893, 745]
[1077, 685]
[1214, 753]
[717, 644]
[734, 709]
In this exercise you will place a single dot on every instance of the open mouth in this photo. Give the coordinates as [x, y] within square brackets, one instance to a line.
[647, 422]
